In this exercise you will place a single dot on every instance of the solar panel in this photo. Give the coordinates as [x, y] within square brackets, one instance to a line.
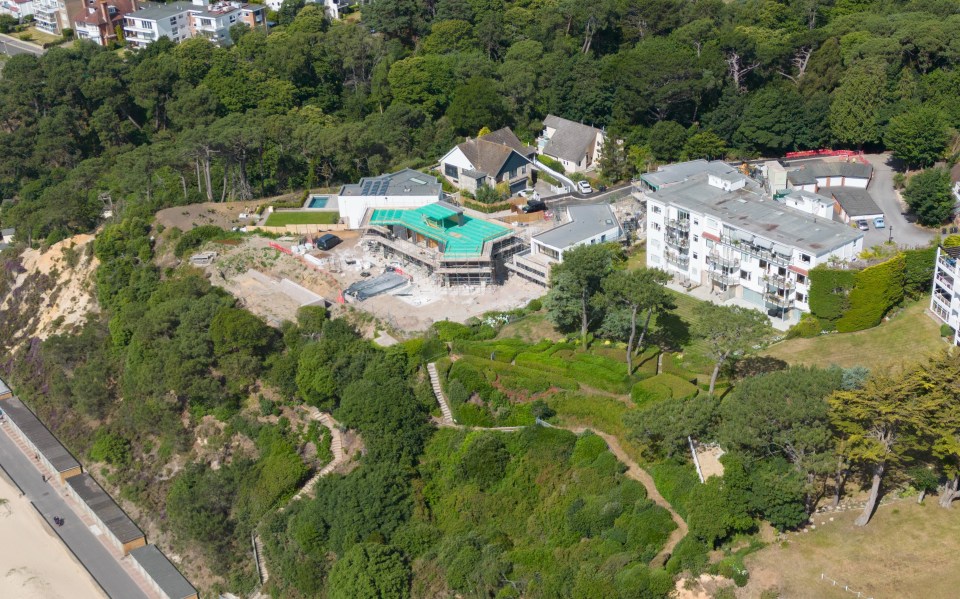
[365, 190]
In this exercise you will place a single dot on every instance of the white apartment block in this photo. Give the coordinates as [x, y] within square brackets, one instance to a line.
[707, 224]
[179, 21]
[18, 9]
[945, 304]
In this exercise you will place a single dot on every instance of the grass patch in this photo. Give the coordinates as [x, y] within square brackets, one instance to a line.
[906, 338]
[662, 386]
[904, 552]
[280, 219]
[531, 328]
[675, 482]
[592, 411]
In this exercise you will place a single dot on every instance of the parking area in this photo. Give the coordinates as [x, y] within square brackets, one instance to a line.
[897, 227]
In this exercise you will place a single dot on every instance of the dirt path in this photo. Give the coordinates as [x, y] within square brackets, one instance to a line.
[643, 477]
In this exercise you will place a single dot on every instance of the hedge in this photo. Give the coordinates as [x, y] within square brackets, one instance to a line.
[849, 300]
[877, 289]
[809, 326]
[554, 164]
[452, 331]
[662, 386]
[676, 483]
[487, 208]
[918, 270]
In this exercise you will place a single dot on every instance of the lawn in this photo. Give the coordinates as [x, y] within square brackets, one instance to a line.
[907, 551]
[531, 328]
[279, 219]
[906, 338]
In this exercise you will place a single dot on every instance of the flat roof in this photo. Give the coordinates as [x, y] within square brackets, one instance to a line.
[585, 222]
[4, 388]
[407, 182]
[818, 167]
[161, 11]
[748, 210]
[163, 572]
[854, 201]
[444, 226]
[106, 509]
[802, 193]
[41, 437]
[681, 171]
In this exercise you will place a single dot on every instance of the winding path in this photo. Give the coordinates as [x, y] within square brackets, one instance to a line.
[634, 470]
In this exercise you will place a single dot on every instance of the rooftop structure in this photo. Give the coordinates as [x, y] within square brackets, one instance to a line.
[164, 576]
[404, 189]
[459, 248]
[677, 173]
[39, 439]
[807, 201]
[853, 203]
[123, 533]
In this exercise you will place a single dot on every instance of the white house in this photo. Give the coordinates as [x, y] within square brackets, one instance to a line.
[18, 9]
[576, 146]
[945, 304]
[179, 21]
[404, 189]
[807, 201]
[586, 224]
[145, 26]
[721, 230]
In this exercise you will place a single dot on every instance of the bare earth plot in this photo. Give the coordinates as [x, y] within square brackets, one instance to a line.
[908, 337]
[908, 551]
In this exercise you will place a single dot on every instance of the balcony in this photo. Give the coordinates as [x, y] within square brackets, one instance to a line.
[943, 298]
[679, 260]
[715, 260]
[947, 263]
[682, 224]
[679, 241]
[724, 278]
[779, 282]
[945, 281]
[781, 301]
[753, 250]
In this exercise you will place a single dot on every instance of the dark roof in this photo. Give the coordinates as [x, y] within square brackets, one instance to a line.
[855, 202]
[106, 509]
[801, 177]
[571, 140]
[823, 168]
[163, 572]
[488, 156]
[407, 182]
[39, 435]
[507, 137]
[952, 251]
[586, 221]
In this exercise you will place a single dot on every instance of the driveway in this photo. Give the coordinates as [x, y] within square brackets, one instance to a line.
[881, 189]
[101, 564]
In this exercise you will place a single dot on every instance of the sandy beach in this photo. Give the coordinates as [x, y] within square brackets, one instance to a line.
[34, 563]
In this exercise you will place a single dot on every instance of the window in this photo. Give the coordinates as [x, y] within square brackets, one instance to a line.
[696, 222]
[805, 258]
[696, 238]
[173, 20]
[782, 271]
[656, 209]
[450, 170]
[763, 264]
[744, 275]
[710, 244]
[801, 278]
[656, 226]
[694, 255]
[801, 297]
[603, 238]
[523, 170]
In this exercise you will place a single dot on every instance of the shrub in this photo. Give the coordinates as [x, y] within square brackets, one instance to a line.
[809, 326]
[675, 482]
[689, 554]
[946, 330]
[876, 290]
[194, 238]
[554, 164]
[535, 305]
[663, 386]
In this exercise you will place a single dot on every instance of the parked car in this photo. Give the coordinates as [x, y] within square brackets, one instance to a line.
[534, 206]
[328, 241]
[878, 223]
[863, 225]
[584, 187]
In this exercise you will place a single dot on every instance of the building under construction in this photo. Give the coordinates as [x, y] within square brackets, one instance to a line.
[454, 248]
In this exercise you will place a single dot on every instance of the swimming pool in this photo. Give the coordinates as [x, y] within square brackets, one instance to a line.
[318, 202]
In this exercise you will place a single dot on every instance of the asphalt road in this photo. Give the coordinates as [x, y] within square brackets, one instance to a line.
[11, 46]
[881, 189]
[85, 545]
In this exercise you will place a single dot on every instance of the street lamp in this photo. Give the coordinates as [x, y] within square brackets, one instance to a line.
[891, 234]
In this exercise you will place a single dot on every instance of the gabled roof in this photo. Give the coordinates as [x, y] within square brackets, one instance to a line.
[813, 169]
[489, 153]
[571, 139]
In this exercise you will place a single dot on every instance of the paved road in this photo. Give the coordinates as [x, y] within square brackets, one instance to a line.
[12, 46]
[881, 188]
[85, 545]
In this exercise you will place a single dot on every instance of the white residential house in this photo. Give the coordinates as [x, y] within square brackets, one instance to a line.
[53, 16]
[18, 9]
[585, 225]
[145, 26]
[576, 146]
[807, 201]
[404, 189]
[946, 275]
[495, 158]
[718, 228]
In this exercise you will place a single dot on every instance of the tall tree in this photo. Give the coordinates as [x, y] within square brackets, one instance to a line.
[638, 291]
[729, 331]
[928, 195]
[857, 104]
[880, 425]
[576, 281]
[918, 137]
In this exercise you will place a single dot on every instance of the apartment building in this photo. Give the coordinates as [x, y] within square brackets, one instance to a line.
[99, 21]
[707, 224]
[945, 304]
[179, 21]
[53, 16]
[18, 9]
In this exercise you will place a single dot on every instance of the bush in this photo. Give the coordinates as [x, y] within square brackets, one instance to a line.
[855, 300]
[809, 326]
[689, 554]
[946, 330]
[194, 238]
[554, 164]
[535, 305]
[675, 482]
[662, 386]
[488, 208]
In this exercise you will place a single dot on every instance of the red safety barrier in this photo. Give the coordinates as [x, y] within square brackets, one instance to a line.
[280, 248]
[340, 299]
[825, 152]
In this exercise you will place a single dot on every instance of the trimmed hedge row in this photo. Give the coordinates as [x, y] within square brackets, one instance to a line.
[848, 300]
[593, 371]
[662, 386]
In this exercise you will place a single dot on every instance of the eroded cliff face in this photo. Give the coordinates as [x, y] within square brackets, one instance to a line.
[46, 292]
